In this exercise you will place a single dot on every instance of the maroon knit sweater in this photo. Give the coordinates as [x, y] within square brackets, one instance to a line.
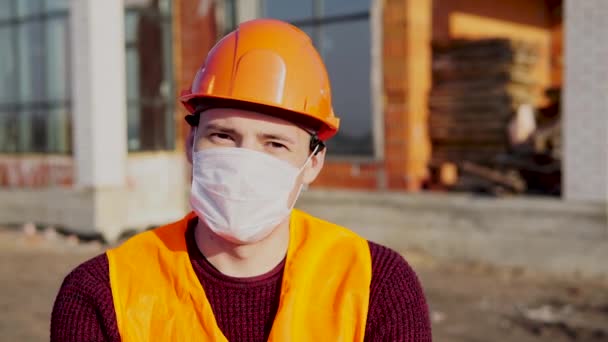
[244, 308]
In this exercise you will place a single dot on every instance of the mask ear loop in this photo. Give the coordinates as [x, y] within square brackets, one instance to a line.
[195, 129]
[305, 186]
[312, 154]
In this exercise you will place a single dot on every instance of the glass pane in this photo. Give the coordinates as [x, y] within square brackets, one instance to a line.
[58, 134]
[57, 5]
[31, 62]
[230, 16]
[164, 7]
[24, 131]
[8, 131]
[6, 9]
[149, 81]
[167, 87]
[37, 123]
[345, 48]
[132, 68]
[131, 18]
[29, 7]
[57, 68]
[133, 142]
[309, 30]
[8, 66]
[289, 10]
[345, 7]
[169, 127]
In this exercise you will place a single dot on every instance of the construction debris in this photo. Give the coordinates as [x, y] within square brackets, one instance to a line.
[578, 323]
[482, 119]
[511, 182]
[477, 87]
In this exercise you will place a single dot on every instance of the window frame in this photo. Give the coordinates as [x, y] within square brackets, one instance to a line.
[374, 17]
[166, 19]
[15, 22]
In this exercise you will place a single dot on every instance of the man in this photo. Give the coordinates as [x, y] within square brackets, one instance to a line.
[244, 266]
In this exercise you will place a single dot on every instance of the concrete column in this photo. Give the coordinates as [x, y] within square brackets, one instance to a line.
[585, 115]
[407, 79]
[419, 57]
[377, 91]
[99, 93]
[99, 116]
[247, 10]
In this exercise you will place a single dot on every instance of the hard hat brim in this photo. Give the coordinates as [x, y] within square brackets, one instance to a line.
[325, 129]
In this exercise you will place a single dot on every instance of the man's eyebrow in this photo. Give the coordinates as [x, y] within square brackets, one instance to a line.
[280, 137]
[218, 128]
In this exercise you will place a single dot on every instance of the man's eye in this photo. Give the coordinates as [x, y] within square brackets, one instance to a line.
[220, 136]
[276, 145]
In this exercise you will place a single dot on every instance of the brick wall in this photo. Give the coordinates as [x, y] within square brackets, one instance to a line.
[36, 171]
[195, 32]
[406, 27]
[349, 175]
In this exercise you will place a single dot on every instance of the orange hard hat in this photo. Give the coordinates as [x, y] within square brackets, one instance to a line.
[268, 66]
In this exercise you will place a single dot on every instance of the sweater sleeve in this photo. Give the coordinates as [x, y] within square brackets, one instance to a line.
[84, 310]
[398, 310]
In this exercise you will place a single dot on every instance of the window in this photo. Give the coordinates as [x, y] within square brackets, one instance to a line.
[229, 16]
[150, 95]
[340, 30]
[34, 77]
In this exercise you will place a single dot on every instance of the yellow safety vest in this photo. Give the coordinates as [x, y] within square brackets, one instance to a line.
[324, 294]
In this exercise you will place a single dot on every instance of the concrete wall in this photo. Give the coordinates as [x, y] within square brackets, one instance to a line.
[543, 234]
[156, 187]
[585, 115]
[99, 99]
[153, 195]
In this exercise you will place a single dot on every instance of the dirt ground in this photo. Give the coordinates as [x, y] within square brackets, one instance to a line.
[468, 302]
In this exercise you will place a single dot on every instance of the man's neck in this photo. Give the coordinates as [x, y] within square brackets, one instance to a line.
[243, 261]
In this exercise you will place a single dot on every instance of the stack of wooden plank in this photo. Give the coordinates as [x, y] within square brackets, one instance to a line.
[477, 87]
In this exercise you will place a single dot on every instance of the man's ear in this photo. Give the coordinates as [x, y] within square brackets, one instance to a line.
[189, 142]
[314, 167]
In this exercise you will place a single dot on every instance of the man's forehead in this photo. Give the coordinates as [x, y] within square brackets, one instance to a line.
[245, 119]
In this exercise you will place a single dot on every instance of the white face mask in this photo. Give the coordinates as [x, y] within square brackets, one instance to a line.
[241, 194]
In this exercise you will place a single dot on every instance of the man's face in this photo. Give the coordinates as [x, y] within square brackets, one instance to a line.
[225, 127]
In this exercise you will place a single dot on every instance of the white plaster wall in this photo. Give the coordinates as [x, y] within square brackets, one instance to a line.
[585, 116]
[157, 186]
[98, 92]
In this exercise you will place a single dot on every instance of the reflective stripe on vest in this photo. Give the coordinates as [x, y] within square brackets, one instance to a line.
[324, 294]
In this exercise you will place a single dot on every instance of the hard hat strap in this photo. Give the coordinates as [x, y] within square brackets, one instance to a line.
[316, 144]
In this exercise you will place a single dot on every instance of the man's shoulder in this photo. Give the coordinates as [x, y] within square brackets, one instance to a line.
[388, 266]
[89, 275]
[83, 309]
[383, 254]
[397, 308]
